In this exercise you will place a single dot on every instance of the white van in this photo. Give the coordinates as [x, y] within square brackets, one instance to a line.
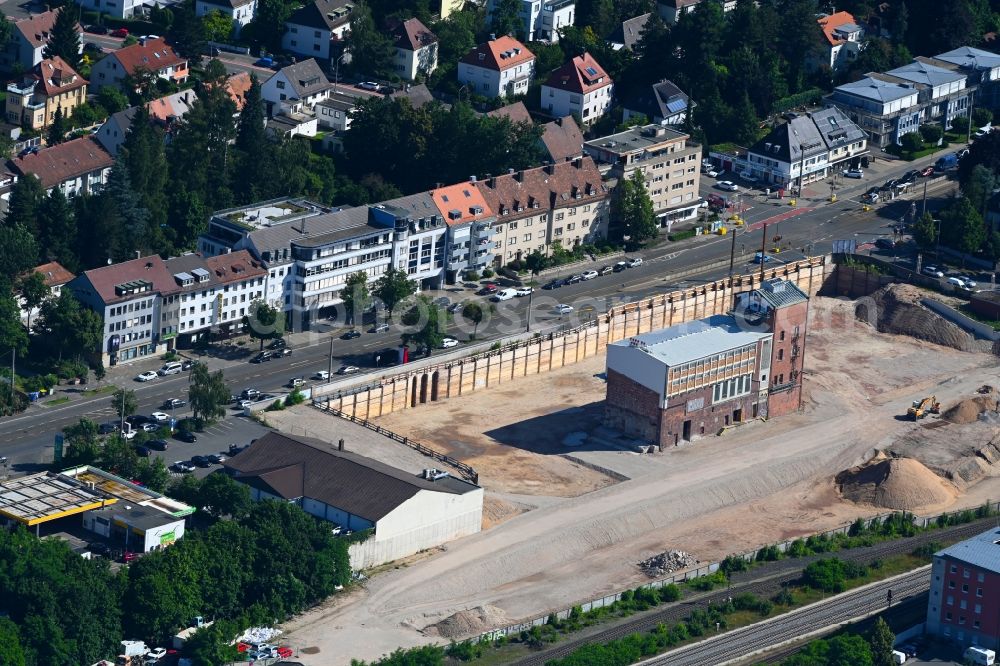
[172, 368]
[504, 295]
[980, 656]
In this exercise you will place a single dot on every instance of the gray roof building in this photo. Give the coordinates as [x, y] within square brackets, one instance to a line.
[878, 90]
[982, 550]
[926, 74]
[306, 78]
[661, 103]
[628, 33]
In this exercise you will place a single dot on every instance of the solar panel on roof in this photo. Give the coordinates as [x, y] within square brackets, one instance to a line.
[675, 105]
[591, 71]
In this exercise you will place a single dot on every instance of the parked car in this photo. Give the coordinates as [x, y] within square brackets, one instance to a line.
[150, 427]
[634, 262]
[351, 334]
[504, 295]
[870, 197]
[182, 467]
[186, 436]
[710, 172]
[885, 243]
[348, 370]
[264, 62]
[379, 328]
[296, 382]
[120, 32]
[99, 548]
[173, 403]
[969, 282]
[97, 29]
[727, 185]
[261, 357]
[216, 458]
[107, 428]
[278, 343]
[156, 653]
[455, 307]
[250, 394]
[589, 275]
[910, 176]
[853, 173]
[958, 282]
[201, 461]
[927, 171]
[933, 271]
[562, 309]
[160, 417]
[142, 451]
[749, 177]
[604, 270]
[138, 419]
[94, 47]
[321, 375]
[891, 183]
[157, 444]
[285, 351]
[448, 343]
[552, 284]
[442, 301]
[488, 289]
[523, 291]
[368, 85]
[187, 365]
[761, 258]
[620, 266]
[147, 376]
[244, 404]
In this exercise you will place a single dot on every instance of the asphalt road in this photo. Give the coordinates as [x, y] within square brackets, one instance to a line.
[27, 439]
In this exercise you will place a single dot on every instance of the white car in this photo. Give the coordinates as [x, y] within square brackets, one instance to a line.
[589, 275]
[160, 417]
[523, 291]
[635, 261]
[749, 177]
[244, 404]
[958, 282]
[448, 343]
[348, 370]
[156, 653]
[562, 309]
[853, 173]
[727, 185]
[128, 434]
[150, 427]
[969, 282]
[933, 271]
[322, 374]
[710, 172]
[147, 376]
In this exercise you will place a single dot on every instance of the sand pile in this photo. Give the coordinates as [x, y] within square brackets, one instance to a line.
[902, 484]
[968, 410]
[472, 622]
[896, 308]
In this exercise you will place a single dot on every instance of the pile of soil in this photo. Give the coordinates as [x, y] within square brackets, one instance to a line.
[896, 308]
[496, 511]
[902, 484]
[968, 410]
[472, 622]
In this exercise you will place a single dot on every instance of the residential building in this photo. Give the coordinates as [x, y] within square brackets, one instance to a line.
[287, 125]
[420, 239]
[78, 166]
[564, 204]
[843, 39]
[211, 297]
[806, 148]
[55, 276]
[151, 55]
[668, 160]
[165, 112]
[981, 69]
[127, 296]
[629, 32]
[27, 42]
[516, 113]
[131, 517]
[884, 110]
[406, 512]
[962, 605]
[579, 88]
[51, 85]
[662, 103]
[237, 86]
[241, 12]
[312, 30]
[119, 9]
[470, 229]
[562, 139]
[446, 8]
[540, 20]
[295, 89]
[672, 10]
[334, 113]
[501, 67]
[416, 50]
[695, 378]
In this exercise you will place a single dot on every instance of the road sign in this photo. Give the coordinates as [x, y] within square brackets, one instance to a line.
[58, 453]
[845, 246]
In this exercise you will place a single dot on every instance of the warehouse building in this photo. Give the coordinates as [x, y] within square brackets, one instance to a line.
[696, 378]
[406, 512]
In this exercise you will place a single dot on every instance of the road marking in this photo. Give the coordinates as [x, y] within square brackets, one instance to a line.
[774, 219]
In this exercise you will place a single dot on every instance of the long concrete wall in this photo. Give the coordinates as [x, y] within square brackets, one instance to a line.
[408, 390]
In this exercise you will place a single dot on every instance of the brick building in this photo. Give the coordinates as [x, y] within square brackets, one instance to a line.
[964, 600]
[698, 377]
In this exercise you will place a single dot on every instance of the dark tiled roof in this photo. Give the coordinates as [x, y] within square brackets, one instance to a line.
[323, 14]
[418, 95]
[412, 35]
[517, 112]
[306, 78]
[544, 188]
[562, 139]
[629, 32]
[36, 29]
[56, 164]
[293, 467]
[151, 269]
[54, 273]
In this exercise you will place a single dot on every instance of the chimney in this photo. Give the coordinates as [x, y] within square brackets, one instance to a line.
[520, 176]
[559, 122]
[340, 445]
[549, 168]
[510, 172]
[472, 179]
[493, 36]
[578, 162]
[492, 182]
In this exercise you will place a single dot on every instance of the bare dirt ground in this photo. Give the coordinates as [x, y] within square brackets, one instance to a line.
[758, 484]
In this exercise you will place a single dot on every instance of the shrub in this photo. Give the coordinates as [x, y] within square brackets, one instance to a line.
[784, 597]
[276, 406]
[670, 593]
[487, 272]
[294, 398]
[911, 142]
[472, 276]
[734, 563]
[826, 574]
[681, 235]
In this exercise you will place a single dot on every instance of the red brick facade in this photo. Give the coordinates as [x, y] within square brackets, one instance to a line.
[787, 358]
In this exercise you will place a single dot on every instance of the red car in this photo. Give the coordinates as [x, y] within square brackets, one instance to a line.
[929, 171]
[488, 288]
[284, 652]
[120, 32]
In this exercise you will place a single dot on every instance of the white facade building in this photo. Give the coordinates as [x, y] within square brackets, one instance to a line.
[541, 20]
[312, 30]
[416, 50]
[501, 67]
[241, 12]
[579, 88]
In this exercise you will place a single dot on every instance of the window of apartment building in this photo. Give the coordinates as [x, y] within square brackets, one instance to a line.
[980, 576]
[559, 216]
[950, 600]
[527, 237]
[513, 226]
[954, 569]
[962, 604]
[497, 245]
[281, 84]
[961, 619]
[558, 231]
[951, 585]
[975, 624]
[979, 591]
[678, 160]
[677, 186]
[511, 241]
[947, 615]
[585, 224]
[586, 209]
[571, 226]
[529, 222]
[965, 588]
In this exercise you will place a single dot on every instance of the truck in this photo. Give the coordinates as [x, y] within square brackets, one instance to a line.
[946, 162]
[980, 656]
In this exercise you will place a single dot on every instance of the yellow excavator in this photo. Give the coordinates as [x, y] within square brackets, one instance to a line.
[921, 408]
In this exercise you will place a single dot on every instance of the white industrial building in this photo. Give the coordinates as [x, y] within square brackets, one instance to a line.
[406, 512]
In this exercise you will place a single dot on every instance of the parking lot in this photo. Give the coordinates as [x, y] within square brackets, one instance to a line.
[215, 439]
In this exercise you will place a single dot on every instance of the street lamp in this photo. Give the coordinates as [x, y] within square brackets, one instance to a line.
[336, 72]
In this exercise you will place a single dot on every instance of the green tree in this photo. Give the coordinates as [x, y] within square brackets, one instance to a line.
[57, 130]
[11, 653]
[849, 650]
[960, 125]
[925, 232]
[57, 232]
[143, 157]
[931, 133]
[827, 575]
[187, 32]
[6, 30]
[355, 295]
[744, 122]
[219, 495]
[18, 250]
[978, 187]
[64, 38]
[632, 210]
[208, 394]
[132, 216]
[371, 50]
[473, 312]
[981, 116]
[881, 640]
[33, 291]
[211, 645]
[263, 322]
[25, 198]
[967, 230]
[124, 402]
[268, 24]
[506, 19]
[83, 443]
[218, 26]
[153, 474]
[112, 99]
[431, 332]
[394, 287]
[66, 329]
[13, 335]
[911, 142]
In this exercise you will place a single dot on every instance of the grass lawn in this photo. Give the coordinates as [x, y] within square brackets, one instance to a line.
[967, 311]
[100, 391]
[57, 401]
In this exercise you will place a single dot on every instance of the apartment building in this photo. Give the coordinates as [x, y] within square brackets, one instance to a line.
[501, 67]
[27, 42]
[579, 88]
[79, 166]
[540, 21]
[964, 600]
[843, 39]
[151, 54]
[295, 89]
[470, 228]
[312, 30]
[51, 85]
[668, 160]
[564, 204]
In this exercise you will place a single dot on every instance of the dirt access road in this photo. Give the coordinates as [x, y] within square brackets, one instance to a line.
[758, 484]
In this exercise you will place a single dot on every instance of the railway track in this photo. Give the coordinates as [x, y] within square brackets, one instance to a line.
[763, 581]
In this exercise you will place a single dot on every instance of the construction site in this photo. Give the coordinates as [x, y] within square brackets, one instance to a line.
[899, 412]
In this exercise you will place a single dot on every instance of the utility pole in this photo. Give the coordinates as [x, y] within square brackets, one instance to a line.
[923, 205]
[732, 257]
[329, 367]
[968, 132]
[763, 251]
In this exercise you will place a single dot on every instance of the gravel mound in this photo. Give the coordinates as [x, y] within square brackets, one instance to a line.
[668, 562]
[902, 484]
[471, 622]
[969, 410]
[896, 309]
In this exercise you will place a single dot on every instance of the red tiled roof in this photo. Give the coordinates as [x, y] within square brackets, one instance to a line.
[151, 268]
[237, 87]
[581, 75]
[54, 273]
[36, 29]
[412, 35]
[456, 203]
[553, 186]
[832, 22]
[154, 56]
[235, 266]
[499, 54]
[56, 164]
[57, 76]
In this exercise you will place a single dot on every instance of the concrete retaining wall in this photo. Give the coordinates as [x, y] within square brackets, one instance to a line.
[977, 328]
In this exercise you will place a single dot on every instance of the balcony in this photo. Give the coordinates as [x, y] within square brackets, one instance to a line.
[23, 88]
